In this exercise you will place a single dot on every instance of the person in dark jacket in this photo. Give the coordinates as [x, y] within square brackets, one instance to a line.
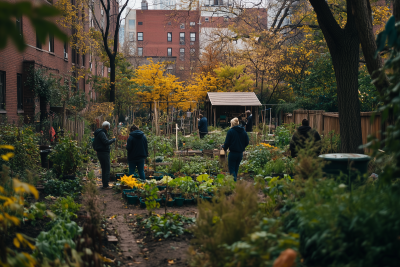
[137, 151]
[101, 144]
[303, 133]
[236, 141]
[203, 129]
[249, 122]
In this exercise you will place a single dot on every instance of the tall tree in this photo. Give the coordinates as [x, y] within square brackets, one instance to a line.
[343, 44]
[108, 25]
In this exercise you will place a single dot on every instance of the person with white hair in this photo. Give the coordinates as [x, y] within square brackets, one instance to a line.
[101, 145]
[236, 141]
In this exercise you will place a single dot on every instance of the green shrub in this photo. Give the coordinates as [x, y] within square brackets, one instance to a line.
[65, 204]
[63, 188]
[224, 222]
[167, 225]
[67, 156]
[282, 136]
[343, 227]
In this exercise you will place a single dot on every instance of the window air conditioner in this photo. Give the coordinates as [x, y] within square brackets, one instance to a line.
[65, 55]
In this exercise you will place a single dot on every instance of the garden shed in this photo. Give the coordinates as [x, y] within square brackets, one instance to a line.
[221, 107]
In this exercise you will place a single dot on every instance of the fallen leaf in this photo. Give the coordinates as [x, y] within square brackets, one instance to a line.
[171, 262]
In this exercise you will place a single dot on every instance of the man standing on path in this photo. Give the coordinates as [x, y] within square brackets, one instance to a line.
[249, 123]
[101, 145]
[299, 138]
[203, 129]
[137, 151]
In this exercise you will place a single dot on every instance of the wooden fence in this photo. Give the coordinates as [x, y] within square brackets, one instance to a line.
[324, 122]
[77, 128]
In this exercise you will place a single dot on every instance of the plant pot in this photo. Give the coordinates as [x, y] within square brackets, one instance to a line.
[119, 175]
[189, 201]
[179, 201]
[158, 200]
[126, 191]
[142, 204]
[176, 195]
[43, 158]
[170, 203]
[161, 187]
[133, 200]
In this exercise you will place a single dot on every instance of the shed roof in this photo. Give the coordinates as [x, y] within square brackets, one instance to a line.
[233, 99]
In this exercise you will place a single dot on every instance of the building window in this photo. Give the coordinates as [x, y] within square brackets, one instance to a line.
[140, 23]
[193, 37]
[182, 38]
[66, 50]
[38, 43]
[18, 23]
[169, 52]
[182, 26]
[140, 51]
[206, 19]
[140, 36]
[131, 37]
[192, 52]
[192, 24]
[19, 92]
[169, 36]
[169, 23]
[2, 89]
[73, 56]
[83, 60]
[131, 24]
[181, 68]
[51, 43]
[182, 54]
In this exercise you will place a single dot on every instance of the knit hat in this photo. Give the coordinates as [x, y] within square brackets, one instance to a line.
[234, 122]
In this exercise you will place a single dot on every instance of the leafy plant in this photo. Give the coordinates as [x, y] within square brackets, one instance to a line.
[65, 204]
[279, 166]
[67, 156]
[63, 188]
[282, 136]
[150, 197]
[51, 244]
[34, 212]
[167, 225]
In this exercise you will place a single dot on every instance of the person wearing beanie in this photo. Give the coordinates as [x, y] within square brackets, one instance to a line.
[101, 144]
[303, 133]
[236, 141]
[137, 151]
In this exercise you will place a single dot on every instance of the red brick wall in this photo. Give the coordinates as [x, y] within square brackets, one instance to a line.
[155, 43]
[12, 62]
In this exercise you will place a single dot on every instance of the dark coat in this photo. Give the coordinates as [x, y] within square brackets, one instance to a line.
[299, 138]
[137, 146]
[203, 125]
[101, 143]
[236, 139]
[249, 123]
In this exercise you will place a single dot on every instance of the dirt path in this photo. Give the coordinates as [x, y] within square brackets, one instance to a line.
[138, 248]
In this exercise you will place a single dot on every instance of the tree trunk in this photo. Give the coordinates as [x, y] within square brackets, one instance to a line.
[345, 62]
[343, 45]
[363, 20]
[112, 79]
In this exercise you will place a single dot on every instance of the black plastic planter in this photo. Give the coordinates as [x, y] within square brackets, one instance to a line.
[179, 201]
[43, 158]
[189, 201]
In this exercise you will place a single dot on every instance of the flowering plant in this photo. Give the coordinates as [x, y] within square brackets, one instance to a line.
[132, 182]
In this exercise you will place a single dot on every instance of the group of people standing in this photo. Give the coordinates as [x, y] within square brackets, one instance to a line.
[236, 141]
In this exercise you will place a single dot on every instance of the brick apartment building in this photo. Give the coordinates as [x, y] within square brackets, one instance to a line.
[164, 35]
[16, 98]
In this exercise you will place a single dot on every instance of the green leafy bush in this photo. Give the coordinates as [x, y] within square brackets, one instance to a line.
[65, 204]
[343, 227]
[282, 136]
[261, 247]
[51, 244]
[26, 153]
[63, 188]
[167, 225]
[150, 197]
[67, 156]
